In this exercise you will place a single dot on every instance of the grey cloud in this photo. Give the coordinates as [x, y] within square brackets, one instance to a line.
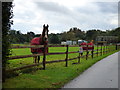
[89, 8]
[99, 7]
[52, 7]
[58, 13]
[108, 7]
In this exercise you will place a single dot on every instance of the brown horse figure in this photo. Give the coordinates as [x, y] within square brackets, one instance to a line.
[41, 40]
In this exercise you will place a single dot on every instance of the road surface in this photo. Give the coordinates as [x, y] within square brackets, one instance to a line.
[103, 74]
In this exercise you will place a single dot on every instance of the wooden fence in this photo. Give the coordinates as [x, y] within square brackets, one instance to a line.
[103, 50]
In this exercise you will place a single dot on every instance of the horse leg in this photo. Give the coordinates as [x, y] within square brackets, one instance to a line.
[38, 59]
[35, 58]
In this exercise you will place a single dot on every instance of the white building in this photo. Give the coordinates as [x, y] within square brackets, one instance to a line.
[63, 43]
[74, 43]
[68, 42]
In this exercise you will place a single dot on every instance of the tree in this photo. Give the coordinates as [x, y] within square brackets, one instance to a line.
[54, 39]
[32, 34]
[78, 33]
[92, 34]
[64, 36]
[115, 32]
[7, 14]
[70, 36]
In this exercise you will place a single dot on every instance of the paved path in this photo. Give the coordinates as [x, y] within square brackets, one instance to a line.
[103, 74]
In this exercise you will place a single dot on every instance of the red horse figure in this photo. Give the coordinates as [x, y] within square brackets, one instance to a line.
[41, 40]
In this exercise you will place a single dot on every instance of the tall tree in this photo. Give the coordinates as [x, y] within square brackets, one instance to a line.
[78, 33]
[54, 39]
[64, 36]
[7, 14]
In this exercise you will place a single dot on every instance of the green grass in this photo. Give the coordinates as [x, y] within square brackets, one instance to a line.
[55, 75]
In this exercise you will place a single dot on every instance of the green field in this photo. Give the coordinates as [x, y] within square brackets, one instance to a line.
[55, 75]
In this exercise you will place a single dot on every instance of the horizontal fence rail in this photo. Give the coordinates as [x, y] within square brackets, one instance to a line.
[30, 46]
[40, 46]
[104, 49]
[24, 56]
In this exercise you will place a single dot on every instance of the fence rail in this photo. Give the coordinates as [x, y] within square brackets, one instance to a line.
[39, 46]
[104, 49]
[29, 46]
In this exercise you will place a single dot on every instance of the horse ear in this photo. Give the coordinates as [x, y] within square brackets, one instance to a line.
[47, 25]
[44, 25]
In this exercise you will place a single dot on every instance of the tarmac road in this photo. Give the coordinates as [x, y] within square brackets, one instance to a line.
[103, 74]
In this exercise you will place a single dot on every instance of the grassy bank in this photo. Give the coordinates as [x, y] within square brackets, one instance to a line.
[55, 75]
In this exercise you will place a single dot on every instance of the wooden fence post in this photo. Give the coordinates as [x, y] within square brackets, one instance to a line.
[97, 50]
[106, 48]
[116, 46]
[79, 58]
[87, 52]
[92, 53]
[66, 56]
[101, 50]
[44, 57]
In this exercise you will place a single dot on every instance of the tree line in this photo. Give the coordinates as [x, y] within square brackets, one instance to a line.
[74, 34]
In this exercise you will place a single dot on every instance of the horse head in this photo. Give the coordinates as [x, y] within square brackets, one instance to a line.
[45, 32]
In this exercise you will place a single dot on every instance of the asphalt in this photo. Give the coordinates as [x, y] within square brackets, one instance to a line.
[103, 74]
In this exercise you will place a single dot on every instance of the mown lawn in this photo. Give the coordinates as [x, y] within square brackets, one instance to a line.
[55, 75]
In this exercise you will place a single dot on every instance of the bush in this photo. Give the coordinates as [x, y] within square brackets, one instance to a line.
[7, 14]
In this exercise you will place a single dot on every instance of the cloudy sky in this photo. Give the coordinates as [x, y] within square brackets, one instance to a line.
[61, 15]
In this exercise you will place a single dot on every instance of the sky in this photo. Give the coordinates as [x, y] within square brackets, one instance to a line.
[61, 15]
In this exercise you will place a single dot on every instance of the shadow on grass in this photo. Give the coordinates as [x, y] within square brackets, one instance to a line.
[24, 71]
